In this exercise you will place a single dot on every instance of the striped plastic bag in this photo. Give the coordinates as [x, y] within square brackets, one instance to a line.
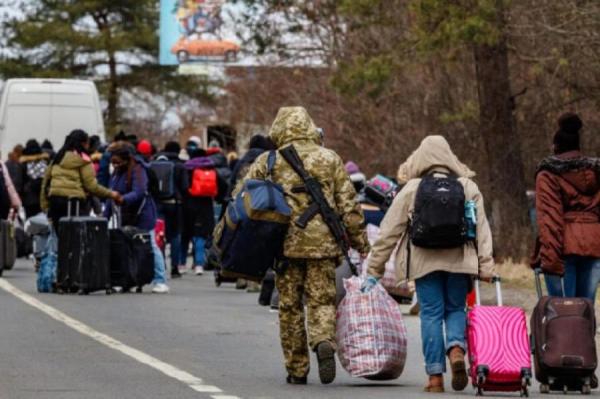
[389, 281]
[371, 334]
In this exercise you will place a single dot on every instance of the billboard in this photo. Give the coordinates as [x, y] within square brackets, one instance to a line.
[192, 36]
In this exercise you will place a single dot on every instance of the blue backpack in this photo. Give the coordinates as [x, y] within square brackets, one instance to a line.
[255, 227]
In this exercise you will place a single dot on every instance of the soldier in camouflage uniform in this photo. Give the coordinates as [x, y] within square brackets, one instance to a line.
[311, 253]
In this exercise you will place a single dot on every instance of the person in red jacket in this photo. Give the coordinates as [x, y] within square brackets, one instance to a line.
[568, 214]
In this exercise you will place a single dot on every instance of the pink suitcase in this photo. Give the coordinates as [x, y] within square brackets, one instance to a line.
[499, 348]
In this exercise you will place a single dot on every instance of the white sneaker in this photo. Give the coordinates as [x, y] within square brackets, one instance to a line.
[199, 270]
[182, 269]
[160, 289]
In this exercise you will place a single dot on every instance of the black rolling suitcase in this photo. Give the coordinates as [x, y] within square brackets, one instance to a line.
[83, 254]
[8, 246]
[131, 256]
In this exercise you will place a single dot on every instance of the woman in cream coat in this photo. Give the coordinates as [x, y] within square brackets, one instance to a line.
[442, 276]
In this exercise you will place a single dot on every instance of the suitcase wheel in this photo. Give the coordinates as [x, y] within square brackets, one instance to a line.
[544, 388]
[109, 291]
[586, 389]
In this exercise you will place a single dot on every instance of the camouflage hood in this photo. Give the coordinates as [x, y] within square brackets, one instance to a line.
[293, 124]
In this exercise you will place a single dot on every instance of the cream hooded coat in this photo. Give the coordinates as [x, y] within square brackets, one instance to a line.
[434, 154]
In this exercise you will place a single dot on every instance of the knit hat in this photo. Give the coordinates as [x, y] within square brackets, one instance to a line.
[567, 137]
[32, 147]
[144, 147]
[352, 168]
[196, 140]
[47, 145]
[262, 142]
[172, 146]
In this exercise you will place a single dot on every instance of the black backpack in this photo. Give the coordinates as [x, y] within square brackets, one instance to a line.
[164, 170]
[153, 183]
[439, 214]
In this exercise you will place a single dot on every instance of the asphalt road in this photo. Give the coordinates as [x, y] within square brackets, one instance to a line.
[159, 346]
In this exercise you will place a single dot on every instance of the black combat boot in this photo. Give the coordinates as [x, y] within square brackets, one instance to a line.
[326, 359]
[296, 380]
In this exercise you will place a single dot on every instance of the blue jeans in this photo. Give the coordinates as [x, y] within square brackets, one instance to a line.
[582, 275]
[48, 263]
[159, 261]
[442, 297]
[176, 259]
[199, 251]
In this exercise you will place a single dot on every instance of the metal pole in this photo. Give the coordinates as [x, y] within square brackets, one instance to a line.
[498, 282]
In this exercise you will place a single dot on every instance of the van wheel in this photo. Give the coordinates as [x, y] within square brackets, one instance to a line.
[183, 56]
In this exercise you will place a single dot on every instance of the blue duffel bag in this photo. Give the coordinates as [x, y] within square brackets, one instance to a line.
[255, 227]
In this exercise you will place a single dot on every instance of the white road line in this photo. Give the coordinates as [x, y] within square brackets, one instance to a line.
[171, 371]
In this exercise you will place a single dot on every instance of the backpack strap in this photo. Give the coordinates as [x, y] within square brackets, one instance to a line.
[315, 191]
[271, 162]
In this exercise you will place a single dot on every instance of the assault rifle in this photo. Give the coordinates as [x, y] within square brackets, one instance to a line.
[320, 205]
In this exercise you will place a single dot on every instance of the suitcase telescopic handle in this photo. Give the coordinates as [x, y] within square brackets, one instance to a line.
[538, 283]
[69, 204]
[497, 280]
[116, 219]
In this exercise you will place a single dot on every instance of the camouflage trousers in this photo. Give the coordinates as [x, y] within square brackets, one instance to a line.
[314, 278]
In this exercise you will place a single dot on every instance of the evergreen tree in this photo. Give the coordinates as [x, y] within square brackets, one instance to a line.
[114, 42]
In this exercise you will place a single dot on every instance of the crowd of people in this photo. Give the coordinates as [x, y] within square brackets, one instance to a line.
[190, 187]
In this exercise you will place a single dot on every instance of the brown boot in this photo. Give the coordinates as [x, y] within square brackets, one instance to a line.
[436, 384]
[460, 379]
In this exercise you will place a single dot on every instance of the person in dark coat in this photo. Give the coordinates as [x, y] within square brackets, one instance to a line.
[35, 162]
[258, 144]
[199, 214]
[138, 209]
[14, 167]
[171, 209]
[48, 148]
[215, 154]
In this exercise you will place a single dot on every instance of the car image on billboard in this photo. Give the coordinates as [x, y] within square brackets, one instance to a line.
[188, 48]
[191, 31]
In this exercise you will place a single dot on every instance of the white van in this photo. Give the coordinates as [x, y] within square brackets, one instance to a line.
[47, 109]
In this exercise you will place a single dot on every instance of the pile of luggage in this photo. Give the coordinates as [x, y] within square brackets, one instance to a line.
[372, 341]
[92, 257]
[8, 245]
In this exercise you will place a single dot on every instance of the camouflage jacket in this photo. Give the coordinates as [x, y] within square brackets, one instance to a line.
[293, 126]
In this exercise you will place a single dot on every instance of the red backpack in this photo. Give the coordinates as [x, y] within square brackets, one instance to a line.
[204, 183]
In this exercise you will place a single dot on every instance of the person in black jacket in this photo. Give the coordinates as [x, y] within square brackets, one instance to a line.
[258, 144]
[198, 211]
[171, 209]
[35, 162]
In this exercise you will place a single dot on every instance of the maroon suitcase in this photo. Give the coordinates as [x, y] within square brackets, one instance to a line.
[563, 342]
